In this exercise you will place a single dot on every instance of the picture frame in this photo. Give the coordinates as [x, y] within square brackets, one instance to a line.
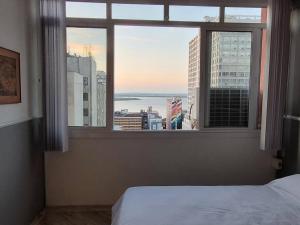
[10, 85]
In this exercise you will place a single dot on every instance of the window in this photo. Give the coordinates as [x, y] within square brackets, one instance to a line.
[244, 15]
[229, 97]
[152, 78]
[194, 13]
[86, 75]
[85, 10]
[136, 11]
[172, 66]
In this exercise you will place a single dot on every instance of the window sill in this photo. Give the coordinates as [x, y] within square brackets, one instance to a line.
[104, 133]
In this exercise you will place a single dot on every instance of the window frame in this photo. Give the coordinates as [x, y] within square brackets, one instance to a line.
[256, 39]
[109, 24]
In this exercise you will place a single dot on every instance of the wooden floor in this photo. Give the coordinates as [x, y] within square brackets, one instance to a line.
[75, 216]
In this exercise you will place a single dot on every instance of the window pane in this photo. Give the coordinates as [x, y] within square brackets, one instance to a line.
[245, 15]
[152, 84]
[229, 75]
[86, 74]
[85, 10]
[194, 13]
[137, 12]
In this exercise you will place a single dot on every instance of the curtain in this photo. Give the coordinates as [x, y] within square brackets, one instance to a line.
[55, 79]
[277, 74]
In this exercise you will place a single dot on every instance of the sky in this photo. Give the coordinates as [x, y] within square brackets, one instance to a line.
[147, 59]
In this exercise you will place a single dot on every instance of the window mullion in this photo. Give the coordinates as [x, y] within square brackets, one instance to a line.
[254, 77]
[110, 77]
[109, 10]
[166, 10]
[203, 78]
[222, 14]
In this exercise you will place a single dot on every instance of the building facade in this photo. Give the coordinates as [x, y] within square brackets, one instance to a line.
[191, 117]
[93, 89]
[174, 114]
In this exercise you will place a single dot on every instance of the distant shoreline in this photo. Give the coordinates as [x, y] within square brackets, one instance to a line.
[125, 99]
[137, 96]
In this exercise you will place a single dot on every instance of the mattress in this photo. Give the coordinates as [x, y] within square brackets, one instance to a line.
[276, 203]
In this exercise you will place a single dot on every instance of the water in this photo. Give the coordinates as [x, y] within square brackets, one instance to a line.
[158, 104]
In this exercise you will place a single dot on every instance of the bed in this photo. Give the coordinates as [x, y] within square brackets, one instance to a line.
[276, 203]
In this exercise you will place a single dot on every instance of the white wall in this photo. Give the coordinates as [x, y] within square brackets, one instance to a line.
[21, 35]
[96, 171]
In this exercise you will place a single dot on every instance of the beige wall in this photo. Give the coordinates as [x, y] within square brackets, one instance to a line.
[97, 171]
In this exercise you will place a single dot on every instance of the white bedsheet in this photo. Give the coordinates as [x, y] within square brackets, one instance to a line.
[191, 205]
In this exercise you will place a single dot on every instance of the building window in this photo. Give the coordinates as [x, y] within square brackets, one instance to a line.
[85, 10]
[137, 12]
[245, 15]
[194, 13]
[86, 75]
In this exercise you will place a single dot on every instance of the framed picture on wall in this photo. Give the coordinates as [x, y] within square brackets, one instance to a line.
[10, 87]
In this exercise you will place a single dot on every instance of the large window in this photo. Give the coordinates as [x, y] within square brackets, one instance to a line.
[229, 72]
[152, 78]
[86, 76]
[171, 67]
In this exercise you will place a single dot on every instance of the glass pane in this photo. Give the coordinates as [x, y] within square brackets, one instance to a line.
[245, 15]
[152, 78]
[137, 12]
[85, 10]
[194, 13]
[229, 73]
[86, 73]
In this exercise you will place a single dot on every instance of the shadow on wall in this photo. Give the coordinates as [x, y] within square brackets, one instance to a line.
[291, 139]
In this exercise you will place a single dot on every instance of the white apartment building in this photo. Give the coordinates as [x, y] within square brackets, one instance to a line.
[75, 103]
[94, 89]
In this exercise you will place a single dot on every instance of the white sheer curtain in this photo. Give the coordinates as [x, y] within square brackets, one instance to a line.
[56, 107]
[277, 74]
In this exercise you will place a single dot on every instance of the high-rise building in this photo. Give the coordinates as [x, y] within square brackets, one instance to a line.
[93, 89]
[230, 60]
[174, 114]
[75, 103]
[191, 117]
[194, 77]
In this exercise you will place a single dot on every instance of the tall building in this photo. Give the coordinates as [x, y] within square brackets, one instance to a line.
[194, 77]
[75, 103]
[93, 89]
[230, 60]
[174, 114]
